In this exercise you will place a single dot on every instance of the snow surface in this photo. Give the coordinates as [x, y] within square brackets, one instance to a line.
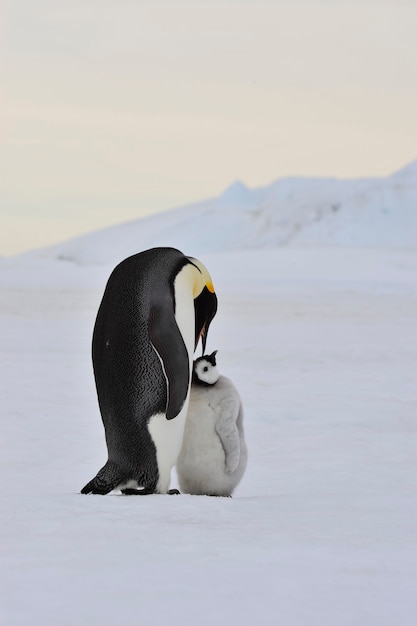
[376, 213]
[322, 530]
[321, 342]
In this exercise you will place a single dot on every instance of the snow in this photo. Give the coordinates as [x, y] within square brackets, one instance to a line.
[322, 344]
[316, 280]
[363, 213]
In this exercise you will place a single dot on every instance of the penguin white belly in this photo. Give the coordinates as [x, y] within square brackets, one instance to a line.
[167, 435]
[202, 466]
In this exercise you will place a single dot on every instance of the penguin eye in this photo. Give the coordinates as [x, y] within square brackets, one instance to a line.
[205, 368]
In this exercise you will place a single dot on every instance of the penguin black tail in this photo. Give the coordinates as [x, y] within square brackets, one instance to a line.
[107, 479]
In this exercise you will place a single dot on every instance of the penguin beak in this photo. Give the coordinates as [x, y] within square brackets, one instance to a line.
[203, 337]
[205, 306]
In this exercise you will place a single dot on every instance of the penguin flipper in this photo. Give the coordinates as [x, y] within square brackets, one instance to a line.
[168, 343]
[107, 479]
[228, 434]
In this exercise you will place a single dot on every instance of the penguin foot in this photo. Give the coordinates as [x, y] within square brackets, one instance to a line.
[145, 492]
[137, 492]
[219, 495]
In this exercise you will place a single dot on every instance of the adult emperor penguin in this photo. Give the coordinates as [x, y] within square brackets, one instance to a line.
[156, 306]
[214, 455]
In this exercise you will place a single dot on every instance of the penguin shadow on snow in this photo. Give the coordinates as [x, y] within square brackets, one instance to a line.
[214, 454]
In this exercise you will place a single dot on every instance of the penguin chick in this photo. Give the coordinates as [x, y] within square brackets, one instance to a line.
[213, 457]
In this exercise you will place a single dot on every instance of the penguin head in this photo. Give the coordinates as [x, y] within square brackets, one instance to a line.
[205, 302]
[205, 370]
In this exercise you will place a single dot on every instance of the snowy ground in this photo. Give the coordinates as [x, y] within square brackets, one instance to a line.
[322, 531]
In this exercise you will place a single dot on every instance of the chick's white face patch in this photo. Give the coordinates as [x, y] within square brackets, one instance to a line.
[206, 372]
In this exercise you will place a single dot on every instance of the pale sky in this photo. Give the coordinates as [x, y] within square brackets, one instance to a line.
[112, 109]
